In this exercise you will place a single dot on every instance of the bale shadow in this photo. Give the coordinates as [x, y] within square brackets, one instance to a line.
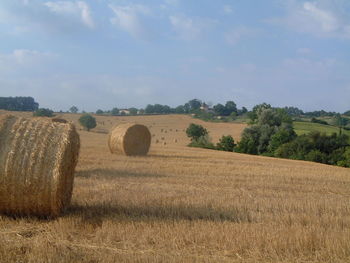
[95, 214]
[112, 174]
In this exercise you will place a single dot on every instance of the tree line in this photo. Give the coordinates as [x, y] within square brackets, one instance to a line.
[271, 133]
[18, 104]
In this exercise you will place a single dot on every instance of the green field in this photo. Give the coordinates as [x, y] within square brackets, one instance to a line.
[306, 127]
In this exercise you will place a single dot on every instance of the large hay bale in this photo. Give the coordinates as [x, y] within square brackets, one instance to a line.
[130, 139]
[37, 162]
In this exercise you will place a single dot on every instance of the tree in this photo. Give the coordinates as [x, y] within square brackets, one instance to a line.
[269, 117]
[18, 104]
[99, 112]
[257, 109]
[230, 107]
[73, 109]
[180, 109]
[195, 104]
[226, 143]
[87, 121]
[195, 131]
[43, 113]
[133, 111]
[283, 135]
[250, 140]
[220, 109]
[115, 111]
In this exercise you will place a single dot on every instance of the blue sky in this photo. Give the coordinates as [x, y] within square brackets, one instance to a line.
[101, 54]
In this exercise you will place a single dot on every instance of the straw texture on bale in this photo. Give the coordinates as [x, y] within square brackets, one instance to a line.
[37, 162]
[130, 139]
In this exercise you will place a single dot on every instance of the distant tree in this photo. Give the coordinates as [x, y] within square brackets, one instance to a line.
[133, 111]
[242, 111]
[230, 107]
[87, 121]
[187, 107]
[73, 109]
[226, 143]
[314, 120]
[99, 112]
[180, 109]
[257, 109]
[195, 131]
[293, 111]
[194, 104]
[115, 111]
[220, 109]
[42, 112]
[18, 104]
[149, 109]
[347, 113]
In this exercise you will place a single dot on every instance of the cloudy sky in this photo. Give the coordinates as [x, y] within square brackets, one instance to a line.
[100, 54]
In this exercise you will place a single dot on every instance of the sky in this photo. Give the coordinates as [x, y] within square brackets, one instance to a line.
[101, 54]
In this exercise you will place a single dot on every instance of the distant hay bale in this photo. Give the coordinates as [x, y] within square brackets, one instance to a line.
[161, 130]
[130, 139]
[37, 162]
[157, 141]
[162, 138]
[164, 143]
[175, 140]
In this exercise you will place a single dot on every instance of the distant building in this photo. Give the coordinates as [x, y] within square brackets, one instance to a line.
[206, 108]
[124, 112]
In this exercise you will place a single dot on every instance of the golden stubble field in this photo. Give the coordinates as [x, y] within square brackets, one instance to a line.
[181, 204]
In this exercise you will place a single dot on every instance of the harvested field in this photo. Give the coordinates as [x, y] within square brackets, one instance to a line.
[180, 204]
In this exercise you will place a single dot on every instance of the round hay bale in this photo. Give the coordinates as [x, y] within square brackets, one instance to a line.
[130, 139]
[37, 162]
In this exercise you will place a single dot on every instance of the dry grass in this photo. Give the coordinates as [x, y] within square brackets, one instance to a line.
[181, 204]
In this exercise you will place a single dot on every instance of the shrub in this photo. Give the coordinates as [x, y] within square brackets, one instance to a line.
[314, 120]
[282, 136]
[250, 140]
[87, 121]
[226, 143]
[202, 142]
[316, 156]
[195, 131]
[42, 112]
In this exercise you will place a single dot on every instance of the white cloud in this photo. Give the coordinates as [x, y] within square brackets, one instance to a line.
[172, 2]
[24, 57]
[321, 18]
[236, 34]
[227, 9]
[127, 18]
[190, 28]
[304, 51]
[78, 8]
